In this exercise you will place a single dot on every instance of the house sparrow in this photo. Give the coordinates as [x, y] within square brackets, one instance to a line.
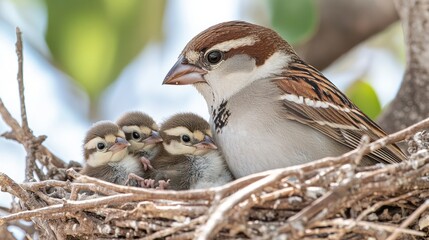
[270, 109]
[106, 154]
[189, 158]
[141, 132]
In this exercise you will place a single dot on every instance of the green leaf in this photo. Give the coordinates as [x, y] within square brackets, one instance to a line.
[295, 20]
[93, 41]
[364, 96]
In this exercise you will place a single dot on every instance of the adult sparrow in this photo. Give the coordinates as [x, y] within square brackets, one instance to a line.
[141, 132]
[106, 154]
[189, 158]
[269, 108]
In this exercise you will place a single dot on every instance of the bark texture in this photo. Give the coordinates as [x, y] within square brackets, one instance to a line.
[412, 101]
[343, 25]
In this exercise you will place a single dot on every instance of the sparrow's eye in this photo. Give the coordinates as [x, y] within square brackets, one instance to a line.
[186, 138]
[101, 146]
[214, 56]
[136, 135]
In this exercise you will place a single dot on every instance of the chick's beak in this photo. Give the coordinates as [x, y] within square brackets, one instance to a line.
[153, 138]
[206, 143]
[183, 73]
[120, 144]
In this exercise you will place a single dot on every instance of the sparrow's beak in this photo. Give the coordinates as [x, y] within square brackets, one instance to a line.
[206, 143]
[183, 73]
[153, 138]
[120, 144]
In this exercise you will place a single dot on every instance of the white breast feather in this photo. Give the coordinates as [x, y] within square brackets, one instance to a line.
[129, 164]
[213, 171]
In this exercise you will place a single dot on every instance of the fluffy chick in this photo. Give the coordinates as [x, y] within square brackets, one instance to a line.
[189, 158]
[106, 154]
[141, 132]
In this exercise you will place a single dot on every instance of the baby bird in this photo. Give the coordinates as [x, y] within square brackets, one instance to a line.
[141, 132]
[106, 154]
[189, 157]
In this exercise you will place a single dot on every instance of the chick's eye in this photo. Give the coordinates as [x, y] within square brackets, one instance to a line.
[136, 135]
[186, 138]
[214, 56]
[101, 146]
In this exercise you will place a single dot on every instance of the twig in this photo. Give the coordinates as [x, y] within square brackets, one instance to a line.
[24, 134]
[20, 77]
[378, 205]
[409, 220]
[13, 188]
[175, 229]
[36, 186]
[8, 119]
[346, 223]
[69, 206]
[219, 213]
[215, 221]
[5, 209]
[148, 193]
[30, 159]
[18, 135]
[6, 235]
[28, 229]
[325, 202]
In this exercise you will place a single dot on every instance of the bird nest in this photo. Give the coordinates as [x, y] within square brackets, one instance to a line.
[331, 198]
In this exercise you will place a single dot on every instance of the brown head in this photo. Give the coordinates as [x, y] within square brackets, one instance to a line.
[140, 130]
[229, 56]
[187, 134]
[104, 142]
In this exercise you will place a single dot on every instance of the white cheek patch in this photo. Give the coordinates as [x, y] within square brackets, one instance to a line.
[99, 158]
[177, 131]
[93, 143]
[239, 71]
[176, 148]
[102, 158]
[130, 129]
[235, 43]
[118, 156]
[273, 66]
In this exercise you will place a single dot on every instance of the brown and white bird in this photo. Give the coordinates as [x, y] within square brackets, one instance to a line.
[141, 132]
[189, 158]
[270, 109]
[106, 154]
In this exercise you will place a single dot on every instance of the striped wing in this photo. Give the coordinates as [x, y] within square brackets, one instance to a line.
[313, 100]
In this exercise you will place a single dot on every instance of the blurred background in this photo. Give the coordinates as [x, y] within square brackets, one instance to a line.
[86, 61]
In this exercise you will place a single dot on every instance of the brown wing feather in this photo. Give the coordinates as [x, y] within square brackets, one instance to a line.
[341, 120]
